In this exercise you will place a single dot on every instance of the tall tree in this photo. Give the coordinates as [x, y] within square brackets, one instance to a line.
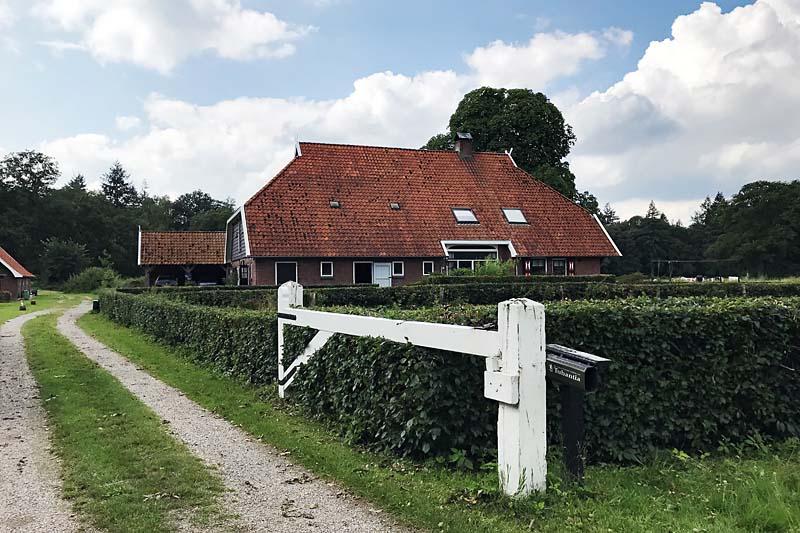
[31, 172]
[608, 215]
[117, 187]
[193, 204]
[521, 120]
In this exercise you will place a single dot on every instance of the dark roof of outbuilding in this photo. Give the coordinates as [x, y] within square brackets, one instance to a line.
[292, 215]
[182, 248]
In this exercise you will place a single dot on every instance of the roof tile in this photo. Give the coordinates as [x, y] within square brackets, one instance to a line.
[182, 248]
[18, 271]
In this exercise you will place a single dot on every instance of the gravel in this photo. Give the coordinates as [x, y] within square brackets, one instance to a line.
[267, 493]
[30, 487]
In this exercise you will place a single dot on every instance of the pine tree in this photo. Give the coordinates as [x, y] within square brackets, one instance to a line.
[608, 215]
[118, 189]
[652, 211]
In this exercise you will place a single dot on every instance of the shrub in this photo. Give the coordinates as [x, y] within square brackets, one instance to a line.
[238, 342]
[470, 277]
[685, 373]
[91, 279]
[633, 277]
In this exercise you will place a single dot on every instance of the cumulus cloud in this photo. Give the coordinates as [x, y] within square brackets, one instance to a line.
[159, 35]
[6, 15]
[710, 108]
[232, 147]
[125, 123]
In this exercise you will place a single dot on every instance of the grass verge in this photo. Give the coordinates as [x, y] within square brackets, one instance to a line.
[121, 469]
[45, 300]
[752, 488]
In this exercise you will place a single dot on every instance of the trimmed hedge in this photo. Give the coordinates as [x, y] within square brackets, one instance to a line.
[442, 279]
[686, 373]
[238, 342]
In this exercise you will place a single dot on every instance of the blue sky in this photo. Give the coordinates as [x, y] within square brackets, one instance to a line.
[187, 101]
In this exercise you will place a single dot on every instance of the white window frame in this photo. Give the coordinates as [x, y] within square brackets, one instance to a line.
[433, 267]
[372, 272]
[321, 273]
[505, 215]
[239, 273]
[402, 269]
[553, 269]
[471, 211]
[296, 277]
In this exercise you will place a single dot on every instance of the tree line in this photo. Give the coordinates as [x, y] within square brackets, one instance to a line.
[59, 231]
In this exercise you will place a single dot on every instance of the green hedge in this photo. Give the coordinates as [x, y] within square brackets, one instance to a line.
[686, 373]
[239, 342]
[443, 279]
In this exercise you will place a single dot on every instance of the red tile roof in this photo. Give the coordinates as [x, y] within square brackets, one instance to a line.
[182, 248]
[17, 270]
[291, 216]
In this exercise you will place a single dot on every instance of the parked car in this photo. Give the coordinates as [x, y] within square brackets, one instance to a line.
[166, 281]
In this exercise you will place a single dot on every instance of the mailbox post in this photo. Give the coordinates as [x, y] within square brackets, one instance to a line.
[576, 374]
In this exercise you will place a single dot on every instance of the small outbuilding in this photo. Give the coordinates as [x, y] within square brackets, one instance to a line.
[185, 256]
[14, 278]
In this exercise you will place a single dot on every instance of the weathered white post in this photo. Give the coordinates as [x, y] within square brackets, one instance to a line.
[522, 427]
[289, 294]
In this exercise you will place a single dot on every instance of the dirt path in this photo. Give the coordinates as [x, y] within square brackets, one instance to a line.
[267, 493]
[30, 496]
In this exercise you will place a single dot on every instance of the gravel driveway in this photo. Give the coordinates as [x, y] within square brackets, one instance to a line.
[29, 482]
[267, 493]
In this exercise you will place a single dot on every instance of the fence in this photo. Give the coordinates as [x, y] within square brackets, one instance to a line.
[514, 377]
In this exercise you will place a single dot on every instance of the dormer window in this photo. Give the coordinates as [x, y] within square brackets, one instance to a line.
[335, 204]
[514, 216]
[464, 215]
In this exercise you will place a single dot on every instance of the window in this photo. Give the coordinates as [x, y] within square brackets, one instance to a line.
[285, 271]
[464, 216]
[362, 272]
[514, 216]
[244, 275]
[335, 204]
[394, 205]
[398, 269]
[560, 267]
[538, 266]
[470, 256]
[427, 268]
[326, 269]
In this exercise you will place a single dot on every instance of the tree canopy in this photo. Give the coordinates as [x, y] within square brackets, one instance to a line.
[56, 232]
[521, 120]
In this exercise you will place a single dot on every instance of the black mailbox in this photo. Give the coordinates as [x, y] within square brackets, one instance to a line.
[576, 373]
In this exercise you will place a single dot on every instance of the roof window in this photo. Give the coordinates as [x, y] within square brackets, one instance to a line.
[464, 215]
[335, 204]
[514, 216]
[394, 205]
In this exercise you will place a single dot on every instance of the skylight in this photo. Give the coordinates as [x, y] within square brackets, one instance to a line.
[464, 216]
[335, 204]
[394, 205]
[514, 216]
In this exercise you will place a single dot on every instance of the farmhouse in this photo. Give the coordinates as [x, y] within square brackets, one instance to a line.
[345, 214]
[184, 256]
[14, 277]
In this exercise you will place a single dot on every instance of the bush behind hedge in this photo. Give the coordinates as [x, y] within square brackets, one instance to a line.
[443, 279]
[241, 343]
[685, 374]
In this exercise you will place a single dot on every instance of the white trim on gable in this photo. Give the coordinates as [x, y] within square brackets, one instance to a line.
[13, 272]
[239, 211]
[508, 153]
[139, 249]
[510, 245]
[607, 235]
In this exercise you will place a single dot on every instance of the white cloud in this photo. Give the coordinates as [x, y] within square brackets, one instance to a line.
[6, 14]
[232, 147]
[125, 123]
[545, 57]
[159, 35]
[675, 210]
[710, 108]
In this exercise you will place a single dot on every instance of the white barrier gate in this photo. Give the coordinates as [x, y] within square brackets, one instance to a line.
[514, 377]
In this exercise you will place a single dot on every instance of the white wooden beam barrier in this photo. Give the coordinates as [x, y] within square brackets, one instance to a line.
[514, 377]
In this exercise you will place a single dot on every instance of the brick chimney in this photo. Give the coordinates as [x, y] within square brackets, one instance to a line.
[464, 147]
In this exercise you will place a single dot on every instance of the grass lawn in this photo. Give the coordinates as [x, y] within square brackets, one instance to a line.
[45, 300]
[122, 471]
[754, 488]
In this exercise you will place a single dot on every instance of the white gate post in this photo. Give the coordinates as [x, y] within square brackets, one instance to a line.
[289, 294]
[521, 428]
